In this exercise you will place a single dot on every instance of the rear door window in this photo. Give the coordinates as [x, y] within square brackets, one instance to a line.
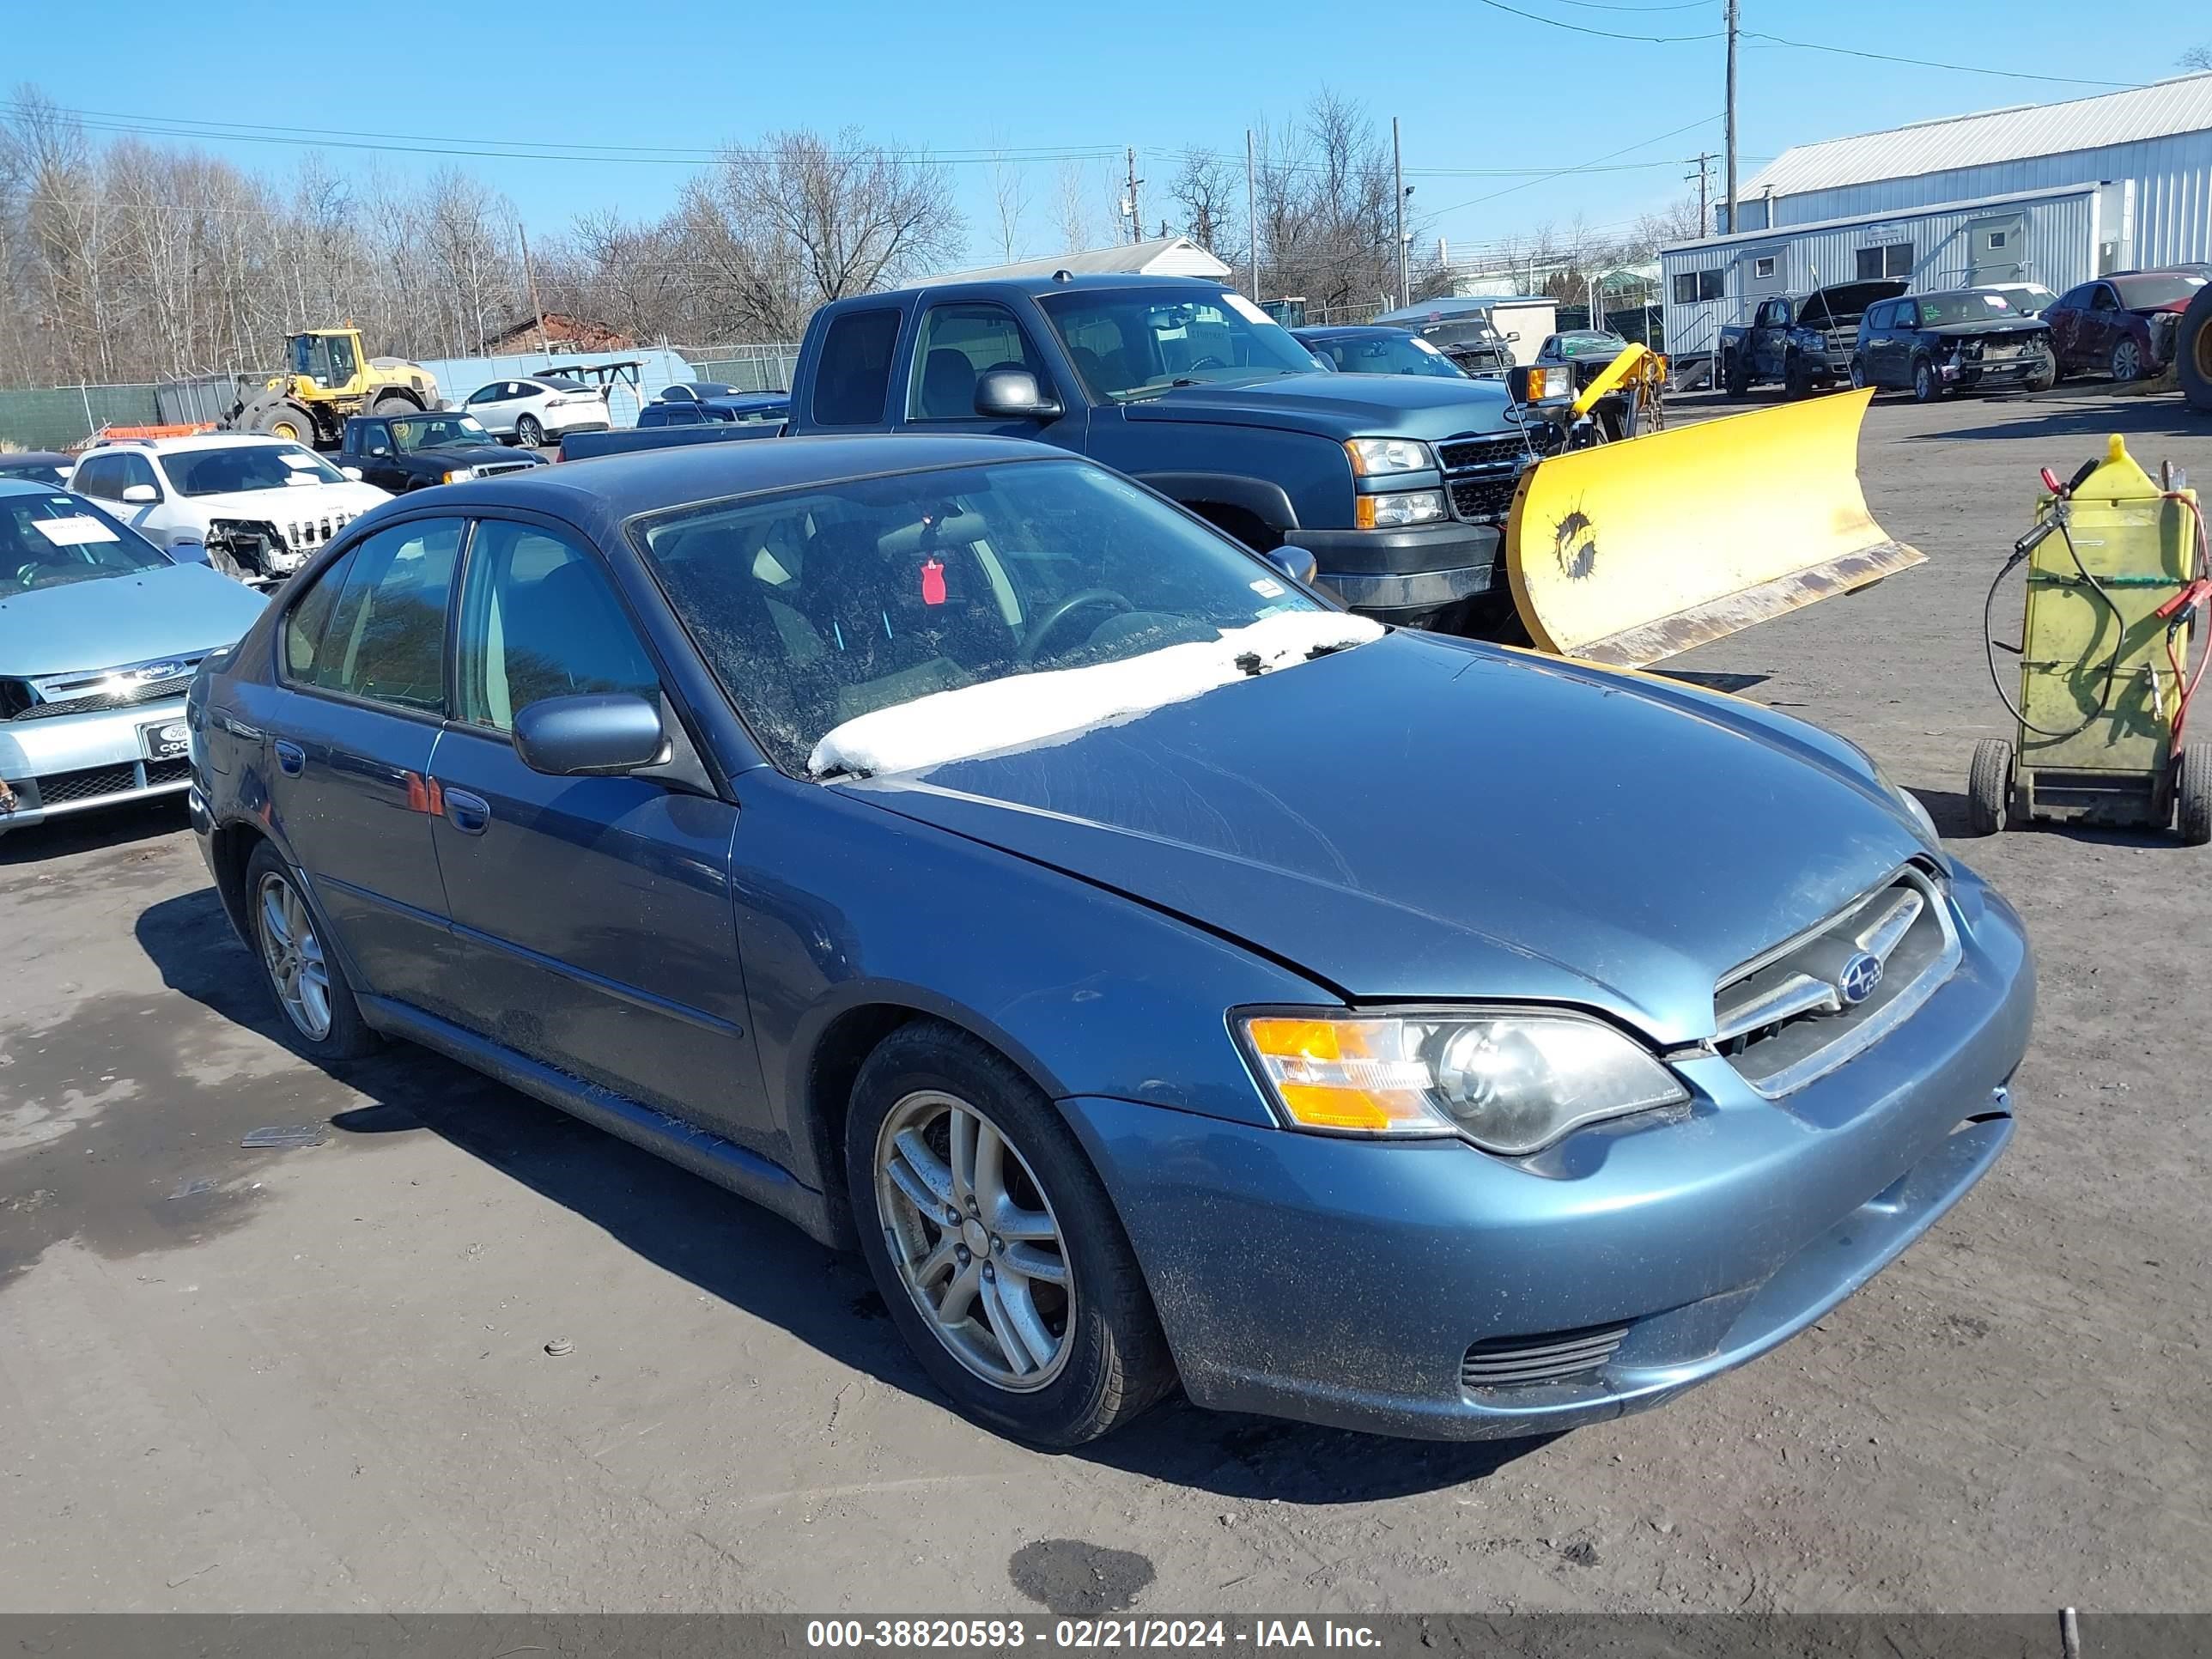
[99, 476]
[383, 637]
[852, 381]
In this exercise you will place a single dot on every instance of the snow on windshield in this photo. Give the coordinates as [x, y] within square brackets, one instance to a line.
[1030, 709]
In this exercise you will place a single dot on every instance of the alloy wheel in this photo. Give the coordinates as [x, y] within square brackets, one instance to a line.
[1859, 375]
[973, 1236]
[529, 431]
[2127, 361]
[294, 954]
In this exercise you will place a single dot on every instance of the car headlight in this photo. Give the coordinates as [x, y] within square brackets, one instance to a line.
[1511, 1082]
[459, 475]
[1378, 458]
[1547, 381]
[1394, 512]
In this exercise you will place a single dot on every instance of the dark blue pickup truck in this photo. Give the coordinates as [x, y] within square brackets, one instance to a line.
[1398, 485]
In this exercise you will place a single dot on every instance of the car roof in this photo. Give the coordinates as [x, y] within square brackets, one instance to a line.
[205, 439]
[26, 487]
[33, 457]
[1095, 281]
[613, 488]
[1351, 331]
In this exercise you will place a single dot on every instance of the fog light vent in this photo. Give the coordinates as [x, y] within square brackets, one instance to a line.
[1504, 1361]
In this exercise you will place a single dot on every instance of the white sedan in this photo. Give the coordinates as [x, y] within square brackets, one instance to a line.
[530, 411]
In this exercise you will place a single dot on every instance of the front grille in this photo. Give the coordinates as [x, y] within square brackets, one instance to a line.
[497, 467]
[1787, 1018]
[90, 784]
[1505, 1362]
[306, 534]
[92, 691]
[158, 772]
[1481, 499]
[1465, 452]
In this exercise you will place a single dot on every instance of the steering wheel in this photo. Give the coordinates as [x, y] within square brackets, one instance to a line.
[27, 575]
[1204, 362]
[1082, 599]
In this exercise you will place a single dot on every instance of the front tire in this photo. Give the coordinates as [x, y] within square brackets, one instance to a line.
[2127, 362]
[529, 432]
[2045, 377]
[1988, 787]
[2193, 795]
[1926, 388]
[1737, 377]
[1859, 381]
[321, 1019]
[994, 1243]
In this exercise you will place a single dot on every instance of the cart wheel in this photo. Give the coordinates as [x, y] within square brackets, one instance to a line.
[1989, 786]
[2194, 795]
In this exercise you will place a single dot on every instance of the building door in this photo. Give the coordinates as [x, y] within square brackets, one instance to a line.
[1997, 250]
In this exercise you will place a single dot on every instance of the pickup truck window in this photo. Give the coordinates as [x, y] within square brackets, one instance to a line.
[853, 376]
[1137, 342]
[958, 343]
[817, 605]
[438, 431]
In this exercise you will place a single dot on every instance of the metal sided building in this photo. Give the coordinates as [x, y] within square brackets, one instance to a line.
[2052, 193]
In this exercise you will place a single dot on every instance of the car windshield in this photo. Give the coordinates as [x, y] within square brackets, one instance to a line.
[1584, 343]
[816, 606]
[563, 385]
[2029, 299]
[439, 432]
[1387, 354]
[1941, 310]
[44, 472]
[2160, 288]
[49, 541]
[223, 469]
[1137, 342]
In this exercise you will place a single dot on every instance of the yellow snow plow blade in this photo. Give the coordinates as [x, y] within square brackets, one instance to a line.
[1625, 553]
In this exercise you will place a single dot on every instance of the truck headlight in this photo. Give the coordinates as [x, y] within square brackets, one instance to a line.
[1511, 1082]
[1378, 458]
[459, 475]
[1549, 381]
[1394, 512]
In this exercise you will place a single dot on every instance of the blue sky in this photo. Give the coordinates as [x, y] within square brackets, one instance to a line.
[1475, 86]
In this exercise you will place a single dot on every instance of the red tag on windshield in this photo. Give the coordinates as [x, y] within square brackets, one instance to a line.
[932, 582]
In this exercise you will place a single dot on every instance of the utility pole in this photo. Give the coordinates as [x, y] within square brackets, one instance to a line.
[1398, 206]
[1703, 161]
[1136, 218]
[1730, 141]
[1251, 216]
[530, 277]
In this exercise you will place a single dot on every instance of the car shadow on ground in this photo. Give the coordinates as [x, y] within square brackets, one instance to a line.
[1953, 821]
[2070, 414]
[741, 1254]
[93, 832]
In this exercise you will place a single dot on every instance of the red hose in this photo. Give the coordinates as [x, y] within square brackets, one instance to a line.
[2188, 601]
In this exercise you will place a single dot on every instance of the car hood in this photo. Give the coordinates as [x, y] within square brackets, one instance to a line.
[446, 457]
[1495, 825]
[1339, 406]
[292, 501]
[179, 610]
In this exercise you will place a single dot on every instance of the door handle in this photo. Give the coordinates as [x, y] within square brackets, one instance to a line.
[470, 814]
[291, 759]
[239, 729]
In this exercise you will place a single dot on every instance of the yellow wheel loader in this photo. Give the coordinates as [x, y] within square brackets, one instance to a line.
[1629, 541]
[329, 378]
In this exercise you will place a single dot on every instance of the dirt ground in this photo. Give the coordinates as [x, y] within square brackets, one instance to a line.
[319, 1378]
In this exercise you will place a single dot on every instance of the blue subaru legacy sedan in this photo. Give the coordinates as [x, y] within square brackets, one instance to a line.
[1163, 978]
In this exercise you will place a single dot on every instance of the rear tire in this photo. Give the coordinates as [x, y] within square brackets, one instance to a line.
[1988, 787]
[1108, 1361]
[1736, 377]
[2193, 352]
[395, 403]
[528, 432]
[2126, 361]
[2193, 795]
[321, 1019]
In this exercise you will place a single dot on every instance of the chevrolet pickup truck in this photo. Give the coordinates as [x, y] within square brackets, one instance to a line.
[1805, 344]
[1399, 486]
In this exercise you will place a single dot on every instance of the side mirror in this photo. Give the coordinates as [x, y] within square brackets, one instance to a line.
[600, 735]
[1514, 334]
[1294, 562]
[139, 495]
[1012, 394]
[353, 472]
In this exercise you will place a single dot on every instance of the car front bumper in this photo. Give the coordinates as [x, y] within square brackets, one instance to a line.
[81, 763]
[2004, 371]
[1408, 577]
[1357, 1283]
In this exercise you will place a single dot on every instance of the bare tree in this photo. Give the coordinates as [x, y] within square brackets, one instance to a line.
[1074, 202]
[1208, 189]
[1010, 202]
[2197, 58]
[1325, 210]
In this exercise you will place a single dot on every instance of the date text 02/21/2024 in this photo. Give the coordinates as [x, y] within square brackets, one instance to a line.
[1110, 1634]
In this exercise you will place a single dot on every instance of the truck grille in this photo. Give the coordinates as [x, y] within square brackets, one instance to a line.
[1480, 474]
[1811, 1003]
[495, 468]
[1504, 1361]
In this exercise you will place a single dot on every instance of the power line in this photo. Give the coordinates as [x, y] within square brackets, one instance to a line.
[1773, 41]
[1609, 34]
[1642, 144]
